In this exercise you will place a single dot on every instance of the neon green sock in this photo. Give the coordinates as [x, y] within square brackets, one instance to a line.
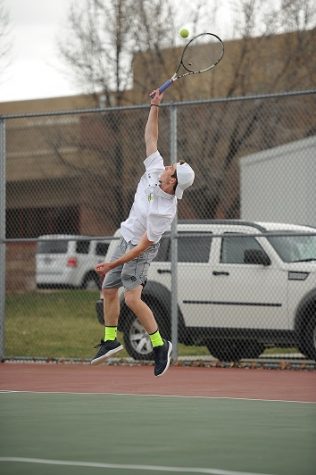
[156, 339]
[110, 333]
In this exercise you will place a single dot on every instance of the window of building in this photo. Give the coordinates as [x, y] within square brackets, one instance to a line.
[34, 222]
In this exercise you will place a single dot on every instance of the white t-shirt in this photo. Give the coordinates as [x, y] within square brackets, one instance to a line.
[153, 210]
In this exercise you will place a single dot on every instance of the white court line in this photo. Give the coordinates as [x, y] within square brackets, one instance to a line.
[113, 466]
[229, 398]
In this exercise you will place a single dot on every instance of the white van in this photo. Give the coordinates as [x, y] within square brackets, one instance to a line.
[68, 261]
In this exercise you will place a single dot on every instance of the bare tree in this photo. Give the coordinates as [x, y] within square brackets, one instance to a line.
[286, 64]
[103, 37]
[98, 46]
[107, 41]
[157, 51]
[275, 53]
[115, 45]
[5, 38]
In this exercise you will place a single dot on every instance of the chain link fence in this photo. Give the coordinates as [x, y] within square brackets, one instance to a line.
[68, 180]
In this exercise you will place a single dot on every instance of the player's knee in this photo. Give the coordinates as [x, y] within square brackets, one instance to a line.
[131, 299]
[110, 294]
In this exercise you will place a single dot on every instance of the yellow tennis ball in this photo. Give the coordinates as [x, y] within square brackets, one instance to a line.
[184, 32]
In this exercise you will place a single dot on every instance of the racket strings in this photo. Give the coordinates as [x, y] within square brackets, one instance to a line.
[202, 53]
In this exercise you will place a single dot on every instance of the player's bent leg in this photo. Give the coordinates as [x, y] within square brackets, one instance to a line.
[109, 345]
[162, 348]
[140, 309]
[111, 306]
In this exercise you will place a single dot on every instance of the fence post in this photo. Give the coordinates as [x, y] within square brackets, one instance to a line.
[2, 234]
[174, 243]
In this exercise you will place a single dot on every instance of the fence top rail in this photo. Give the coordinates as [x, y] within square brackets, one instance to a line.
[276, 95]
[181, 235]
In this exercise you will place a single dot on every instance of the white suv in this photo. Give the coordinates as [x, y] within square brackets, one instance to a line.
[68, 261]
[242, 286]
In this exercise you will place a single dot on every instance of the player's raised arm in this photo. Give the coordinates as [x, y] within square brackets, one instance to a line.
[151, 129]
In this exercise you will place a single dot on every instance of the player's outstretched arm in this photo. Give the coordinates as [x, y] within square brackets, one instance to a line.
[105, 267]
[151, 129]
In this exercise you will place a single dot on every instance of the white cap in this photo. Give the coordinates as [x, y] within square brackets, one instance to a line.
[185, 176]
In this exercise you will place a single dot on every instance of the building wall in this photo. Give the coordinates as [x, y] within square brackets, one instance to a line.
[278, 185]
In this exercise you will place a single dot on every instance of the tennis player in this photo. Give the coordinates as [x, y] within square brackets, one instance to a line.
[153, 210]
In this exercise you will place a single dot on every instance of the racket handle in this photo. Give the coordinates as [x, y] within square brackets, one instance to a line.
[164, 86]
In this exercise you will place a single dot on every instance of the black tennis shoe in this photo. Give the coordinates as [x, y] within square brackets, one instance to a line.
[106, 349]
[162, 356]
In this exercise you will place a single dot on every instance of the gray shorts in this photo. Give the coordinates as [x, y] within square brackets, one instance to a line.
[133, 273]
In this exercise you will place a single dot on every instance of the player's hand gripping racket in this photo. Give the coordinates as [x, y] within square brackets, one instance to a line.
[201, 54]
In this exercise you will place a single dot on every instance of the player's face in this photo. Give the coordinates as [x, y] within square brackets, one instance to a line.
[166, 176]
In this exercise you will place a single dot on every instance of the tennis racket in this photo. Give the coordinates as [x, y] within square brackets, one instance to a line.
[201, 54]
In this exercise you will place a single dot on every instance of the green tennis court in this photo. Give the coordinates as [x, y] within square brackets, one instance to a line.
[126, 434]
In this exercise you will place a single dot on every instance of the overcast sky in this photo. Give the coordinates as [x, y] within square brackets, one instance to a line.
[35, 70]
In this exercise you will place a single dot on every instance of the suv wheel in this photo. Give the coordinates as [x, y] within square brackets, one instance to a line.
[91, 282]
[137, 341]
[310, 339]
[235, 350]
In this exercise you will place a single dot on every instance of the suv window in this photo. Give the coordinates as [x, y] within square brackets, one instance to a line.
[233, 248]
[293, 248]
[101, 248]
[82, 247]
[52, 247]
[164, 250]
[190, 249]
[194, 248]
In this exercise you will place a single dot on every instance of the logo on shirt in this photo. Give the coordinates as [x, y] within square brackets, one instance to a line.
[150, 197]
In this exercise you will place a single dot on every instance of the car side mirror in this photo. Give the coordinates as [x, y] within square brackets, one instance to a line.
[256, 256]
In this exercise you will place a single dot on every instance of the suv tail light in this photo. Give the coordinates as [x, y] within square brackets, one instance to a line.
[72, 262]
